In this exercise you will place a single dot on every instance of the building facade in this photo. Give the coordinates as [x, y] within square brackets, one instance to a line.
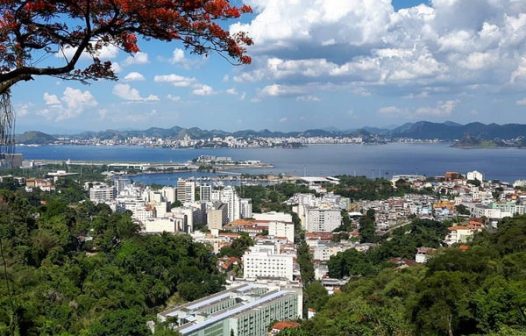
[266, 260]
[248, 309]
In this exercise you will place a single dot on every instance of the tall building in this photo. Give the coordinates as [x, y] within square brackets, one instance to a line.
[281, 229]
[229, 196]
[205, 192]
[247, 309]
[267, 260]
[102, 193]
[322, 219]
[245, 207]
[169, 194]
[185, 191]
[475, 175]
[121, 183]
[217, 217]
[185, 217]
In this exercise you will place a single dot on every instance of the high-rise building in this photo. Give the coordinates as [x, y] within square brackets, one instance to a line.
[121, 183]
[217, 217]
[169, 194]
[229, 196]
[322, 219]
[186, 217]
[205, 192]
[185, 191]
[245, 205]
[247, 309]
[102, 193]
[281, 229]
[267, 260]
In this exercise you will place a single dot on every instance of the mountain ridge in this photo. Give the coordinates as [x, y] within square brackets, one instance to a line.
[446, 131]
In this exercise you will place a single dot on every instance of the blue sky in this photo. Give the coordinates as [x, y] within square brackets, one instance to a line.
[317, 64]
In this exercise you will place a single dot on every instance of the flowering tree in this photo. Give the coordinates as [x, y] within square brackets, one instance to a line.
[31, 29]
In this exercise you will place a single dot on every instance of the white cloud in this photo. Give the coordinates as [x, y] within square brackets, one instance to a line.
[134, 76]
[390, 110]
[478, 61]
[232, 91]
[173, 98]
[203, 90]
[72, 103]
[178, 56]
[175, 80]
[443, 109]
[520, 71]
[308, 98]
[138, 58]
[107, 52]
[277, 90]
[369, 44]
[440, 110]
[116, 67]
[51, 99]
[283, 120]
[103, 114]
[521, 102]
[22, 110]
[126, 92]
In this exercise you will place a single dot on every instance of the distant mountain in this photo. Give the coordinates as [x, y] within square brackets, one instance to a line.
[197, 133]
[452, 131]
[447, 131]
[34, 138]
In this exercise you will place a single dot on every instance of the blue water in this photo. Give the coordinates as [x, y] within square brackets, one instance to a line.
[370, 160]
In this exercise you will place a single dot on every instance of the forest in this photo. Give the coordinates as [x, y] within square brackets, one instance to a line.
[476, 291]
[69, 267]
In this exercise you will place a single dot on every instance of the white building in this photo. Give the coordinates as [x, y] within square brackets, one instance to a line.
[121, 183]
[169, 194]
[266, 260]
[143, 213]
[185, 191]
[161, 209]
[102, 193]
[323, 251]
[229, 196]
[160, 225]
[460, 234]
[186, 215]
[475, 175]
[273, 216]
[322, 219]
[281, 229]
[245, 309]
[245, 207]
[205, 192]
[319, 214]
[423, 254]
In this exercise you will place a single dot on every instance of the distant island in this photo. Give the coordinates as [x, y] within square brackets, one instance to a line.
[472, 135]
[469, 142]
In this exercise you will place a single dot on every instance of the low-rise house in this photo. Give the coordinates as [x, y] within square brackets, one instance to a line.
[423, 254]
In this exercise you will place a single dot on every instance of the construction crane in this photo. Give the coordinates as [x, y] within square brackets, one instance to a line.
[7, 130]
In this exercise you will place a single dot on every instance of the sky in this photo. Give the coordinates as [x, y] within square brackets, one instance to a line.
[316, 64]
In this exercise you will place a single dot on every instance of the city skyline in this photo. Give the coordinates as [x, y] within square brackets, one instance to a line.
[396, 62]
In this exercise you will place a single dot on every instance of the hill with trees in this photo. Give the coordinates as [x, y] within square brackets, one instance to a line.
[70, 267]
[478, 291]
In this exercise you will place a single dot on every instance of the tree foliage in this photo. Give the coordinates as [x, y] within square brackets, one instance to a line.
[29, 29]
[238, 247]
[368, 227]
[481, 291]
[75, 268]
